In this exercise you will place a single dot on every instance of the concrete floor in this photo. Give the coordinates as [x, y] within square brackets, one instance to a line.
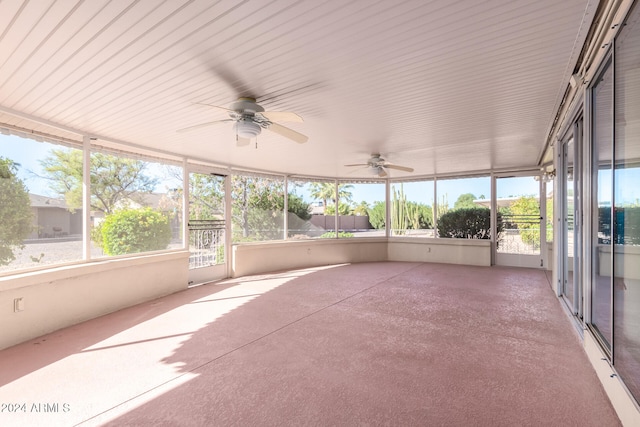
[364, 344]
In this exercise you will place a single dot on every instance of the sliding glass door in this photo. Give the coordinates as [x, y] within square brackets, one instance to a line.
[601, 205]
[571, 220]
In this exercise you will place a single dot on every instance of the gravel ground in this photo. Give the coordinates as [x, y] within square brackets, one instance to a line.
[55, 252]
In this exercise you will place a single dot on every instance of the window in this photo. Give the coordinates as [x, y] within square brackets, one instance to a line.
[308, 216]
[463, 193]
[412, 209]
[40, 204]
[136, 205]
[362, 209]
[257, 208]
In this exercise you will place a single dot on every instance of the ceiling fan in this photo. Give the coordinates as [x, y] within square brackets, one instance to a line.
[379, 166]
[249, 118]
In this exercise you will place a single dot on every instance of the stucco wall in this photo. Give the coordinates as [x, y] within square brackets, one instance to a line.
[449, 251]
[63, 296]
[268, 257]
[274, 256]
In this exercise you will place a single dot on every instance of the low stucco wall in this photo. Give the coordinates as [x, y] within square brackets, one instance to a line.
[259, 258]
[449, 251]
[267, 257]
[63, 296]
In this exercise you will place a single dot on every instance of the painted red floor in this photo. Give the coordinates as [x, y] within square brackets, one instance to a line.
[362, 344]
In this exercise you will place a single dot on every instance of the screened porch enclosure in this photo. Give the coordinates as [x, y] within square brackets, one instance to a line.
[268, 175]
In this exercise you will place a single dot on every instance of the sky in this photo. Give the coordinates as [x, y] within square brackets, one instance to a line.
[27, 153]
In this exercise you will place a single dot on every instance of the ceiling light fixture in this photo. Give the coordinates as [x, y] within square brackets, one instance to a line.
[245, 128]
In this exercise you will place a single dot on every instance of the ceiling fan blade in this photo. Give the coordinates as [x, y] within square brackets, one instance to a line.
[242, 142]
[288, 133]
[282, 116]
[358, 164]
[202, 125]
[400, 168]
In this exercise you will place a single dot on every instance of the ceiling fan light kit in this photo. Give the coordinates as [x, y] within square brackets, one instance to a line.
[245, 128]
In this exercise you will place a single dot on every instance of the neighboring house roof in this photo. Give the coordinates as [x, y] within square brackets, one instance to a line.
[317, 210]
[153, 200]
[502, 201]
[38, 201]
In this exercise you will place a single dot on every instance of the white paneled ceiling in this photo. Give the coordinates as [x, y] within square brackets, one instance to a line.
[444, 87]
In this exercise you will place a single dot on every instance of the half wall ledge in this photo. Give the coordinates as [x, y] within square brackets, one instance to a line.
[258, 258]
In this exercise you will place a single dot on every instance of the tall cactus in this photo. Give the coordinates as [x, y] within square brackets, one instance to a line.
[399, 212]
[413, 215]
[443, 206]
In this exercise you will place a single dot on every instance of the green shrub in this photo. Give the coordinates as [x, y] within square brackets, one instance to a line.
[134, 230]
[15, 211]
[332, 235]
[468, 223]
[525, 214]
[96, 235]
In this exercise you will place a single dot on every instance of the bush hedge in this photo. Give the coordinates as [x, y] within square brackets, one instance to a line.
[133, 230]
[467, 223]
[332, 235]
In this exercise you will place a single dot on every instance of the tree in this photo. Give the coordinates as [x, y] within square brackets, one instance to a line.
[465, 201]
[257, 204]
[297, 206]
[525, 213]
[361, 209]
[376, 215]
[326, 191]
[206, 196]
[343, 209]
[258, 207]
[113, 179]
[15, 210]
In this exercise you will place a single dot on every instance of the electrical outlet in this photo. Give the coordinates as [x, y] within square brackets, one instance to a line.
[18, 305]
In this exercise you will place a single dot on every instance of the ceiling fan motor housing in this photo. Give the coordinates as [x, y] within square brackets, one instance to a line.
[246, 106]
